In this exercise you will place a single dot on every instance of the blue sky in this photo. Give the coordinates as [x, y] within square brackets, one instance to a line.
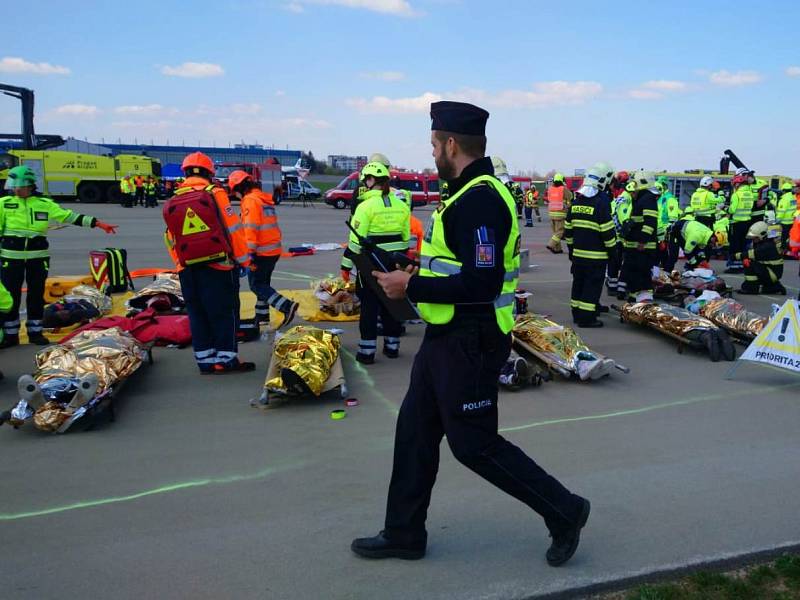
[638, 84]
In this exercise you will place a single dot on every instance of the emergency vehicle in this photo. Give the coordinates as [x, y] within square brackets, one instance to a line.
[342, 195]
[267, 175]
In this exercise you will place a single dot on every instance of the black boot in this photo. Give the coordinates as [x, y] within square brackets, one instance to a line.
[382, 547]
[38, 339]
[9, 341]
[565, 543]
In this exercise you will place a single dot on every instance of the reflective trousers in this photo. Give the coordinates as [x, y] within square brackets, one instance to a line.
[587, 287]
[15, 273]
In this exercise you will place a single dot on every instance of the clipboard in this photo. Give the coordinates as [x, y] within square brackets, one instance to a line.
[402, 309]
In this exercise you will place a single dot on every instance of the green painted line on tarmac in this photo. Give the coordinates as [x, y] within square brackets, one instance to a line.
[646, 409]
[165, 489]
[370, 382]
[296, 275]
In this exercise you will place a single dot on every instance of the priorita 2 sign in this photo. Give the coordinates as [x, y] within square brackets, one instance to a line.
[778, 344]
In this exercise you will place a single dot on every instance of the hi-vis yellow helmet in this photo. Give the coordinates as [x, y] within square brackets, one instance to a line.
[722, 239]
[558, 178]
[374, 169]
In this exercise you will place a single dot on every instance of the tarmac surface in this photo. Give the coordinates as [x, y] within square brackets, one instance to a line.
[192, 493]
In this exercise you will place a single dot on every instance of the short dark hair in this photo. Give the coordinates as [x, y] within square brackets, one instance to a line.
[471, 145]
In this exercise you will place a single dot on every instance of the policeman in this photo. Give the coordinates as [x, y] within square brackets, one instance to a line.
[263, 237]
[558, 198]
[640, 239]
[210, 289]
[465, 291]
[620, 213]
[383, 218]
[24, 219]
[590, 237]
[763, 263]
[704, 202]
[741, 206]
[785, 212]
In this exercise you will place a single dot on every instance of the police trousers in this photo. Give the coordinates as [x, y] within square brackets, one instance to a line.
[453, 392]
[587, 287]
[14, 274]
[211, 297]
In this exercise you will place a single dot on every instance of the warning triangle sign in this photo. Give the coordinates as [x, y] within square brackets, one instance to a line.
[193, 224]
[778, 344]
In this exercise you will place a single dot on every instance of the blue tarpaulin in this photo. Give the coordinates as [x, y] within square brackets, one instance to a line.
[171, 171]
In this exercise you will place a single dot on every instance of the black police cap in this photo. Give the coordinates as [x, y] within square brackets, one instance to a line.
[458, 117]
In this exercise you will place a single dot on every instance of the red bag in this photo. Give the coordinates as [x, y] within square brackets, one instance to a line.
[193, 220]
[145, 327]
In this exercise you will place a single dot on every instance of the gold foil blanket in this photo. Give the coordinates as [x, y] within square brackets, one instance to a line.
[728, 313]
[309, 352]
[664, 317]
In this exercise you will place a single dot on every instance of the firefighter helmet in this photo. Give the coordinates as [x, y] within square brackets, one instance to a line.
[758, 231]
[644, 179]
[500, 167]
[374, 169]
[786, 187]
[380, 158]
[558, 178]
[237, 177]
[706, 182]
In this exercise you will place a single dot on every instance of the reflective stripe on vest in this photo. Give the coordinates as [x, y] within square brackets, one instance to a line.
[744, 208]
[437, 260]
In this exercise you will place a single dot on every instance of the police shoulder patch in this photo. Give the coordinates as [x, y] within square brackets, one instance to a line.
[484, 255]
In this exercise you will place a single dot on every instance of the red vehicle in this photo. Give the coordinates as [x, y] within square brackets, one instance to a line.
[267, 175]
[342, 195]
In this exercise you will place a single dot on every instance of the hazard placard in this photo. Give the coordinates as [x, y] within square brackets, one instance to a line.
[778, 344]
[193, 224]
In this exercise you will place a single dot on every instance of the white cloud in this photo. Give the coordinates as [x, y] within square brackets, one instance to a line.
[280, 93]
[645, 95]
[401, 8]
[246, 109]
[793, 71]
[147, 109]
[736, 78]
[384, 75]
[14, 64]
[193, 70]
[294, 7]
[77, 110]
[382, 104]
[551, 93]
[664, 85]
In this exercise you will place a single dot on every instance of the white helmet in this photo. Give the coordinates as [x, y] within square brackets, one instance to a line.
[596, 178]
[706, 182]
[607, 169]
[500, 167]
[644, 179]
[380, 158]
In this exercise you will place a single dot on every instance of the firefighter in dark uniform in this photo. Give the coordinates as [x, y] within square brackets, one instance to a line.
[464, 289]
[591, 240]
[641, 237]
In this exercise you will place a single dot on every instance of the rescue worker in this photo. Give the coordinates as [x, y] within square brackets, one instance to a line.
[618, 185]
[210, 289]
[640, 239]
[785, 212]
[501, 172]
[126, 187]
[532, 205]
[465, 291]
[150, 192]
[741, 206]
[558, 197]
[138, 182]
[669, 211]
[591, 240]
[697, 242]
[6, 304]
[383, 218]
[704, 202]
[760, 189]
[763, 263]
[263, 237]
[24, 219]
[620, 213]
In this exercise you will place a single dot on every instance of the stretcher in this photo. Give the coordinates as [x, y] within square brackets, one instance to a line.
[686, 328]
[560, 349]
[306, 362]
[77, 381]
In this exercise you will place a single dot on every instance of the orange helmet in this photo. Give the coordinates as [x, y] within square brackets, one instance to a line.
[237, 177]
[197, 160]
